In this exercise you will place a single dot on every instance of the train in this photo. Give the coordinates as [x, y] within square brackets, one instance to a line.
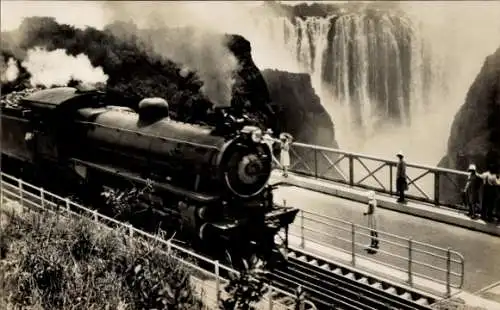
[210, 184]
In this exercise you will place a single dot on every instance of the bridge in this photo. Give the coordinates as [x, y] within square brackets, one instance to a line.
[334, 183]
[432, 192]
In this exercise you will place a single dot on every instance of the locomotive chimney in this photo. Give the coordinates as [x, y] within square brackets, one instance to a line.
[153, 109]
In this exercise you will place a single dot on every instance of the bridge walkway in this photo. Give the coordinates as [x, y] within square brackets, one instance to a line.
[444, 214]
[433, 192]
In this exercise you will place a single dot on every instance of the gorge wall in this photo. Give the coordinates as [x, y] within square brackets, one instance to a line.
[300, 108]
[475, 133]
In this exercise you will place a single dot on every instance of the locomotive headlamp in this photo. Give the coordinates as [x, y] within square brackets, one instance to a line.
[254, 132]
[257, 135]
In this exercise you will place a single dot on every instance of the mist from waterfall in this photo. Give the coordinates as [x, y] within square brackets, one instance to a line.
[391, 78]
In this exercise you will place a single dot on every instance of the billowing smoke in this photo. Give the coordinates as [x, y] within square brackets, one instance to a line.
[58, 68]
[9, 70]
[180, 35]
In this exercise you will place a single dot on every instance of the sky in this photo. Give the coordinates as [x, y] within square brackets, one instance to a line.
[83, 13]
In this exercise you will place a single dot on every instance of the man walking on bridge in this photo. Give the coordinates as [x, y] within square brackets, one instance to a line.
[372, 222]
[401, 184]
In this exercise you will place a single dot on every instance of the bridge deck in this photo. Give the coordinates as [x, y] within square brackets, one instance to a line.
[440, 214]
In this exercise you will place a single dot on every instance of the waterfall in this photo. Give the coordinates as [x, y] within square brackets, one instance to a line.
[369, 63]
[390, 78]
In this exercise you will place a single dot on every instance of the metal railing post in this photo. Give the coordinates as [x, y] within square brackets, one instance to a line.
[96, 218]
[437, 188]
[391, 180]
[217, 281]
[169, 248]
[315, 163]
[302, 237]
[448, 272]
[270, 297]
[20, 187]
[130, 230]
[68, 204]
[410, 260]
[42, 197]
[353, 244]
[351, 169]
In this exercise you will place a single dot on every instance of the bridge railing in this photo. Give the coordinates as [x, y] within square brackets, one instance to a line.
[209, 275]
[428, 184]
[409, 256]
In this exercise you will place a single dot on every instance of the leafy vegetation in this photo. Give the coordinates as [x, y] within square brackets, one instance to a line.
[51, 262]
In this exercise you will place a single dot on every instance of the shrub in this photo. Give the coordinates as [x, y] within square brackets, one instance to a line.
[59, 263]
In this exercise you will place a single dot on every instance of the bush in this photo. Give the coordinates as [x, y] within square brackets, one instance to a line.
[58, 263]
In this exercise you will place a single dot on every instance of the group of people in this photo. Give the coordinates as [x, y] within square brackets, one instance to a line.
[482, 194]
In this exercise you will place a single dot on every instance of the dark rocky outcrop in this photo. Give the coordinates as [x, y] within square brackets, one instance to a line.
[299, 108]
[475, 132]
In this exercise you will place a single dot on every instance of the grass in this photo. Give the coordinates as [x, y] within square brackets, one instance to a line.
[51, 262]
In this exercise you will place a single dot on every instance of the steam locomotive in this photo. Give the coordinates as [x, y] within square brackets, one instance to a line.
[210, 183]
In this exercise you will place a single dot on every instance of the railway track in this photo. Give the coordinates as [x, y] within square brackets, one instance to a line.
[330, 286]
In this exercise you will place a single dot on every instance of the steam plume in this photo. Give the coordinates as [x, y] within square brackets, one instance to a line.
[58, 68]
[9, 70]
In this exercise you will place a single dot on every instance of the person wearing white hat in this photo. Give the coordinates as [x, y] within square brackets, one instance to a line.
[269, 141]
[471, 191]
[401, 183]
[285, 140]
[372, 222]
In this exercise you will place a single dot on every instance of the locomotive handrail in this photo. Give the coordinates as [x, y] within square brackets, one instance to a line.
[30, 196]
[147, 134]
[438, 186]
[417, 259]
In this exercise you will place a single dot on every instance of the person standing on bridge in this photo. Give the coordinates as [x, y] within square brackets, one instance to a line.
[269, 141]
[488, 194]
[372, 222]
[471, 191]
[285, 140]
[401, 183]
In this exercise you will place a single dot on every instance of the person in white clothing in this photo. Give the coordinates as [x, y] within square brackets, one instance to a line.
[269, 141]
[372, 222]
[285, 140]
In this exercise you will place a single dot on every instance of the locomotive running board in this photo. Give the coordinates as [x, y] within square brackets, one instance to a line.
[135, 177]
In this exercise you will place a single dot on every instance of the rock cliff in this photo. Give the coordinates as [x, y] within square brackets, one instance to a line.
[299, 108]
[475, 132]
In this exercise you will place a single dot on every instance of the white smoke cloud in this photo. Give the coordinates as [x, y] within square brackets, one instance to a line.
[58, 68]
[9, 70]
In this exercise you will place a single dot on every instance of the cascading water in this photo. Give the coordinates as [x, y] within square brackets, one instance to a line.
[391, 78]
[369, 68]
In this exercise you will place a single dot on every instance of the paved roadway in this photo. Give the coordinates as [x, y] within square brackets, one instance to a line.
[481, 251]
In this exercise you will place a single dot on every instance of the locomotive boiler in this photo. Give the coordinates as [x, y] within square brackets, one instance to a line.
[210, 182]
